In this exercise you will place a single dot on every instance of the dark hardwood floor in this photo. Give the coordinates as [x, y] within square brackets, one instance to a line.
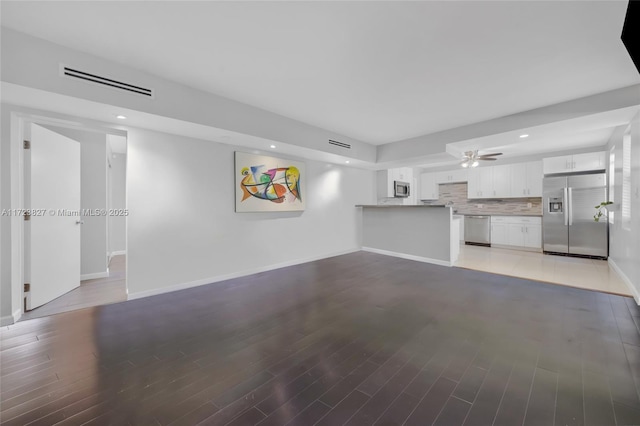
[358, 339]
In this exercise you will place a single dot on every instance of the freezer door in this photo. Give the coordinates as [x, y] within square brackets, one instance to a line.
[555, 234]
[586, 236]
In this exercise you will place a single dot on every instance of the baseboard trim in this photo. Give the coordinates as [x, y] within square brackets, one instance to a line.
[408, 256]
[10, 319]
[104, 274]
[627, 281]
[212, 280]
[116, 253]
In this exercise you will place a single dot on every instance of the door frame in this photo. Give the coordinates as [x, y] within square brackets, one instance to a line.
[19, 119]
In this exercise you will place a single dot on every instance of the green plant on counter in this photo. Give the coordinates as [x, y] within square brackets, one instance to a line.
[599, 214]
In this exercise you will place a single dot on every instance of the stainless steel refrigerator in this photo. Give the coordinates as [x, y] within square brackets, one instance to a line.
[567, 221]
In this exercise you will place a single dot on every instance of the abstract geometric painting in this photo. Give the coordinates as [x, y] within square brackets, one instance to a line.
[268, 184]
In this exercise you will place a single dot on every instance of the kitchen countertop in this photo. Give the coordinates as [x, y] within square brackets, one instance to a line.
[500, 214]
[398, 205]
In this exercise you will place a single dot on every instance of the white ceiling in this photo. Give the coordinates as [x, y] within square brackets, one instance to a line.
[375, 71]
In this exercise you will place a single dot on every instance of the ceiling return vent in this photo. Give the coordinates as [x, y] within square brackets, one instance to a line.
[88, 77]
[340, 144]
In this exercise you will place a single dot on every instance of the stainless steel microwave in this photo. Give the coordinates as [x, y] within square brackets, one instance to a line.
[400, 189]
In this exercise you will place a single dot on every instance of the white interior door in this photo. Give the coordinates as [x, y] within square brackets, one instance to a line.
[54, 235]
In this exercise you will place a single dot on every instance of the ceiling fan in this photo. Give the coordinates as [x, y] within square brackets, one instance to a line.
[472, 158]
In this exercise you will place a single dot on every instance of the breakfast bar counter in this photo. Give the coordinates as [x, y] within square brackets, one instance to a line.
[424, 233]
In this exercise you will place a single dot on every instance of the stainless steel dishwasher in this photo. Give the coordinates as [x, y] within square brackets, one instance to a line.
[477, 230]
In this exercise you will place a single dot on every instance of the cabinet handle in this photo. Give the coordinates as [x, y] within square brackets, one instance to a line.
[528, 191]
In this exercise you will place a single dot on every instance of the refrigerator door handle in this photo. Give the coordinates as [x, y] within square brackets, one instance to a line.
[565, 203]
[570, 206]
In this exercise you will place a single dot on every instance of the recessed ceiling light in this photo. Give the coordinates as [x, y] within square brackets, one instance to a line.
[347, 161]
[273, 146]
[121, 117]
[524, 136]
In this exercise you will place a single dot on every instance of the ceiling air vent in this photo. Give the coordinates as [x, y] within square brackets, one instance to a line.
[108, 82]
[340, 144]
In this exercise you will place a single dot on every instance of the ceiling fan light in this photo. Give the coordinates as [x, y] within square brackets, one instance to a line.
[465, 164]
[475, 163]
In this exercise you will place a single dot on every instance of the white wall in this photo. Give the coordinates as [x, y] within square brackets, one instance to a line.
[182, 229]
[5, 221]
[93, 195]
[117, 188]
[624, 244]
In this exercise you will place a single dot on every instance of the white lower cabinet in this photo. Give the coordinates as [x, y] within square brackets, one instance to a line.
[515, 234]
[499, 233]
[533, 236]
[517, 231]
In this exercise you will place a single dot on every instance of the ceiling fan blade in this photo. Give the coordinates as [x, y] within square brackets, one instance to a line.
[487, 159]
[491, 155]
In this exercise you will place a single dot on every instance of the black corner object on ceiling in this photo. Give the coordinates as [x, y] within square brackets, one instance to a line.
[631, 32]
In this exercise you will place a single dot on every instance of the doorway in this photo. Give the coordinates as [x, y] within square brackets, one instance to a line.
[91, 271]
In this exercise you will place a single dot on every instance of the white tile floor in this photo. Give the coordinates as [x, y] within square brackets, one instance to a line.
[572, 271]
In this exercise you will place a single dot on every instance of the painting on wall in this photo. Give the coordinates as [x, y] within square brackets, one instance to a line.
[268, 184]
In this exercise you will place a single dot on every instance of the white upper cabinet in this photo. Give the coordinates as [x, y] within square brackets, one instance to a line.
[575, 163]
[508, 181]
[526, 179]
[534, 179]
[501, 181]
[480, 183]
[429, 186]
[386, 179]
[589, 161]
[452, 176]
[403, 174]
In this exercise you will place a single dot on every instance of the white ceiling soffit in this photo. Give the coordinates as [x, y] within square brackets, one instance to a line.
[581, 132]
[375, 71]
[71, 108]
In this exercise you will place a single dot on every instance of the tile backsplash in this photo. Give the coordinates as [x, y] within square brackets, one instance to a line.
[456, 193]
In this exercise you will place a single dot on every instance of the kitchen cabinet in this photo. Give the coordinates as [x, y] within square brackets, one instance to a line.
[499, 233]
[429, 186]
[403, 174]
[501, 181]
[589, 161]
[508, 181]
[515, 234]
[526, 179]
[480, 183]
[533, 236]
[517, 231]
[575, 163]
[385, 180]
[452, 176]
